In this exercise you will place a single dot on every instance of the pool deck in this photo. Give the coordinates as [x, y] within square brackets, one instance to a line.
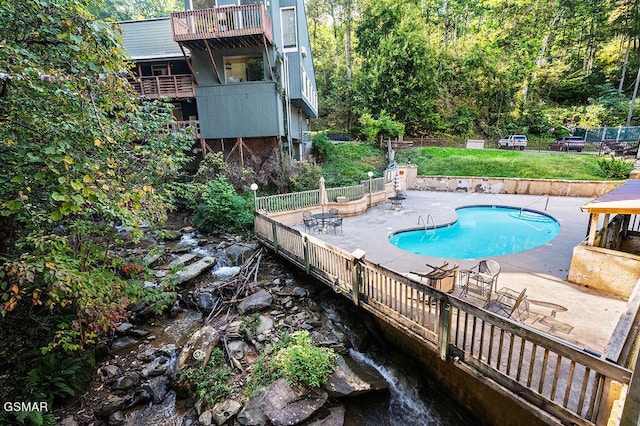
[589, 318]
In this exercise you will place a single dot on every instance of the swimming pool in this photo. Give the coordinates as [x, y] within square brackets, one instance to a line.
[481, 231]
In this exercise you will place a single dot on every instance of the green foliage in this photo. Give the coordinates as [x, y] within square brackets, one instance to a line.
[322, 148]
[58, 376]
[295, 358]
[209, 381]
[615, 168]
[351, 162]
[222, 209]
[501, 163]
[305, 176]
[250, 323]
[301, 362]
[81, 154]
[375, 130]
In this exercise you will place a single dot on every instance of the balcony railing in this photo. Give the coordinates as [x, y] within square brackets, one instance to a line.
[179, 125]
[173, 86]
[241, 22]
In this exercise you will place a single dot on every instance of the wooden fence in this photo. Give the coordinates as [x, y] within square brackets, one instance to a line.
[562, 379]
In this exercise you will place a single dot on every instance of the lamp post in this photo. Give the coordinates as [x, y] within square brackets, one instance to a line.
[370, 174]
[254, 188]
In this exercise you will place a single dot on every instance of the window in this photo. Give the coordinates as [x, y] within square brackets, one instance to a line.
[238, 69]
[289, 30]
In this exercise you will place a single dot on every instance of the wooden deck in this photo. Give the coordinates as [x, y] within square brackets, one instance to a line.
[173, 86]
[223, 27]
[565, 381]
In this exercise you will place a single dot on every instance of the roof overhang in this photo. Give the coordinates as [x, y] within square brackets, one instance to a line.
[625, 199]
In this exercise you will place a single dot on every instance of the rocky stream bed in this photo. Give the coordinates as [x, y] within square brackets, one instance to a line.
[223, 279]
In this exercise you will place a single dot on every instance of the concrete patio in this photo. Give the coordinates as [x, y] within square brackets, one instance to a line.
[589, 318]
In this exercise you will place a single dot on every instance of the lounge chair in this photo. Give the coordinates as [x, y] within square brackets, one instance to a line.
[510, 303]
[482, 278]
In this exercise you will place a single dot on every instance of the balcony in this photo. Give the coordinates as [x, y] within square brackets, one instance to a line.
[223, 27]
[180, 125]
[173, 86]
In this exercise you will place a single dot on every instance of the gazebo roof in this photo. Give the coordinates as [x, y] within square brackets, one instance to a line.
[625, 199]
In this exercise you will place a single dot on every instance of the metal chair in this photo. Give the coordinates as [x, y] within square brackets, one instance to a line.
[510, 303]
[310, 223]
[335, 224]
[482, 278]
[333, 210]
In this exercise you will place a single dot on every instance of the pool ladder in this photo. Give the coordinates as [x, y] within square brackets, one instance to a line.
[426, 222]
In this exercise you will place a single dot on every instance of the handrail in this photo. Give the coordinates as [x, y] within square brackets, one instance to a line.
[566, 381]
[535, 201]
[426, 224]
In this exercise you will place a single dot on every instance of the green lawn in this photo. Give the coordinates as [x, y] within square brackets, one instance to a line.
[501, 163]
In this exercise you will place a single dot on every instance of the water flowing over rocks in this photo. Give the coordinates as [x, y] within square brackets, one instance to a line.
[140, 384]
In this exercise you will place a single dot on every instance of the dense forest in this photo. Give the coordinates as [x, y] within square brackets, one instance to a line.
[468, 68]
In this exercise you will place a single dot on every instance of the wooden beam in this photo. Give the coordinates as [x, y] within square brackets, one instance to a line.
[241, 144]
[186, 58]
[213, 62]
[593, 228]
[266, 51]
[233, 148]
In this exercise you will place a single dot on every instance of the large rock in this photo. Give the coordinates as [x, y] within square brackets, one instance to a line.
[224, 410]
[195, 269]
[334, 416]
[287, 405]
[352, 378]
[238, 253]
[252, 414]
[256, 302]
[110, 405]
[198, 349]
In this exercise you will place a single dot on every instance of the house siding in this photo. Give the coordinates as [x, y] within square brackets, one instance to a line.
[239, 110]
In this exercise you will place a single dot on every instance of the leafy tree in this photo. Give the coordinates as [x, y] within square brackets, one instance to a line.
[81, 154]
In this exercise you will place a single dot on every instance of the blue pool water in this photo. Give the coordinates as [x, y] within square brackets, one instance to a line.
[481, 231]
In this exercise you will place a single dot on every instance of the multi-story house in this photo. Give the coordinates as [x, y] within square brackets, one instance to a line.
[242, 70]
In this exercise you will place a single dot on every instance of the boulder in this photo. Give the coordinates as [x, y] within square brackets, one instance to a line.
[256, 302]
[195, 269]
[288, 405]
[126, 382]
[206, 418]
[156, 388]
[238, 253]
[110, 405]
[352, 378]
[123, 342]
[334, 416]
[224, 410]
[198, 349]
[265, 325]
[252, 414]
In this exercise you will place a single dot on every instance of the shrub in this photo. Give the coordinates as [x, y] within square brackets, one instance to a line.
[222, 209]
[303, 363]
[615, 168]
[322, 148]
[209, 381]
[304, 177]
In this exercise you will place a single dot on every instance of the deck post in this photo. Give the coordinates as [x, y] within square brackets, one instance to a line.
[274, 228]
[356, 270]
[444, 332]
[631, 409]
[305, 245]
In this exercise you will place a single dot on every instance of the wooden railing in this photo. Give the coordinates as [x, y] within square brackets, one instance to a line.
[306, 199]
[290, 201]
[173, 86]
[222, 22]
[564, 380]
[179, 125]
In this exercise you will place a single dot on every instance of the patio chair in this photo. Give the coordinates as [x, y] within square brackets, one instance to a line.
[333, 210]
[307, 215]
[510, 303]
[310, 223]
[335, 224]
[482, 278]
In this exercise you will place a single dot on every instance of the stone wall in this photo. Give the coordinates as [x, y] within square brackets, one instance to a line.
[567, 188]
